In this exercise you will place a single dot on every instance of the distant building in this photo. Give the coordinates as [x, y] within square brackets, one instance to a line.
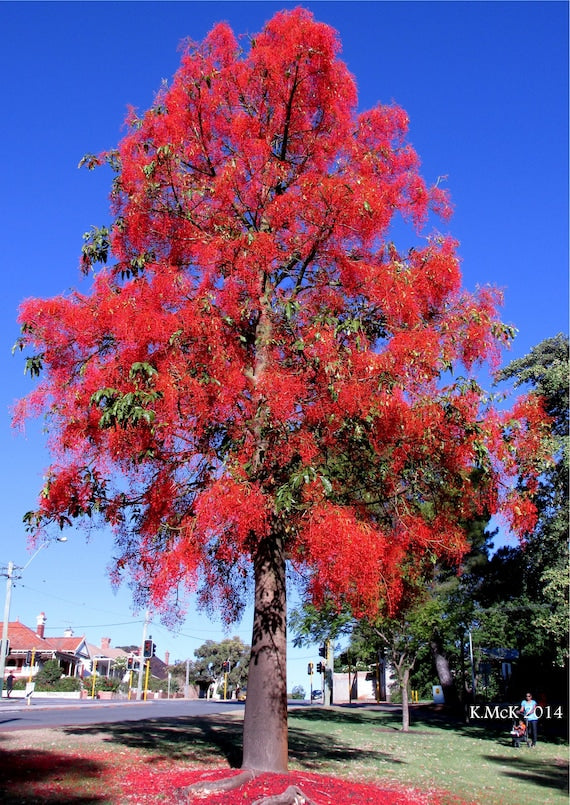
[103, 659]
[29, 650]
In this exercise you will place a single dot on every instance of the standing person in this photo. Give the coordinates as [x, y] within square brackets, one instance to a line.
[9, 684]
[528, 709]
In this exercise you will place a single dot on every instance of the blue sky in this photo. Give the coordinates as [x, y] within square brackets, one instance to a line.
[486, 88]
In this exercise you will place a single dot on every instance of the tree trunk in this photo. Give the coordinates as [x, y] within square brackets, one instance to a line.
[265, 745]
[443, 672]
[405, 700]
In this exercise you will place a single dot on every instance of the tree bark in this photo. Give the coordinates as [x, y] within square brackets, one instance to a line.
[443, 672]
[291, 796]
[405, 700]
[265, 746]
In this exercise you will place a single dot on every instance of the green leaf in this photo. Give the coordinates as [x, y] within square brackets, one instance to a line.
[291, 308]
[89, 161]
[34, 365]
[95, 248]
[327, 486]
[142, 369]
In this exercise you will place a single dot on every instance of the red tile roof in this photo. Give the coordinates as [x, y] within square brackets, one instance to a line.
[68, 644]
[22, 638]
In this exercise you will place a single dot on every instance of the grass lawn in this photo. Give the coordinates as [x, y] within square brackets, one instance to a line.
[143, 761]
[472, 763]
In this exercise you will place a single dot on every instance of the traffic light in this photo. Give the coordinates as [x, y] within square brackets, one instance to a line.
[226, 667]
[310, 668]
[148, 649]
[28, 657]
[130, 663]
[320, 668]
[323, 651]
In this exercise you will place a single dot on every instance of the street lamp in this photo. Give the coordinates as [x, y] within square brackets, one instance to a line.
[13, 572]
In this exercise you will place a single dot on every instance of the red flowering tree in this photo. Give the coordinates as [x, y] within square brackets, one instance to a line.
[257, 375]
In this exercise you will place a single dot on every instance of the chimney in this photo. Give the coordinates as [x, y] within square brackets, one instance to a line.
[68, 632]
[167, 658]
[41, 624]
[105, 643]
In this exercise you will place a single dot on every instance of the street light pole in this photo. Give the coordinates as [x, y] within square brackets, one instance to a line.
[10, 576]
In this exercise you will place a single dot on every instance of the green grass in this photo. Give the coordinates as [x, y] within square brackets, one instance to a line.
[473, 764]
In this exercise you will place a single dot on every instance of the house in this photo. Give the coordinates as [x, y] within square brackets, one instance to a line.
[29, 650]
[158, 668]
[103, 659]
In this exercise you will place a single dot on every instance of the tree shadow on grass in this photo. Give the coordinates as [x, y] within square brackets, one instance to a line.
[204, 739]
[29, 776]
[524, 766]
[426, 717]
[387, 721]
[200, 740]
[529, 768]
[312, 750]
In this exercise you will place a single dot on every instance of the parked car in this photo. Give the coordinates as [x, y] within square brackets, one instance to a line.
[241, 697]
[317, 694]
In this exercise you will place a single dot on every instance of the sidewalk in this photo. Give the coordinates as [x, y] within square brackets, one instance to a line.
[14, 704]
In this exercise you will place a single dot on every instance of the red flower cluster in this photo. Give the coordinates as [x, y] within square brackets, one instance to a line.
[256, 358]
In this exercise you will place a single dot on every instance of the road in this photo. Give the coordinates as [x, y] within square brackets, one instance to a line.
[16, 715]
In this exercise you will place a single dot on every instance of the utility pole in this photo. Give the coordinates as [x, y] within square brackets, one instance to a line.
[10, 576]
[327, 670]
[4, 644]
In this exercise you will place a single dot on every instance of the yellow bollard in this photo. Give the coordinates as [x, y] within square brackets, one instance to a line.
[146, 679]
[94, 678]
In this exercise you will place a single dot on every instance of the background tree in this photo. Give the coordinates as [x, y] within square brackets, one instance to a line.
[397, 638]
[258, 367]
[450, 616]
[119, 667]
[517, 597]
[547, 369]
[534, 578]
[130, 649]
[402, 637]
[207, 668]
[49, 673]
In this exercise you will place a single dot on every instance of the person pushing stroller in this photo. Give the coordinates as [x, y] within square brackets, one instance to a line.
[528, 712]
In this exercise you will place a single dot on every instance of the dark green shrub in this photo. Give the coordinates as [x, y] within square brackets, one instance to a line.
[67, 684]
[49, 673]
[105, 683]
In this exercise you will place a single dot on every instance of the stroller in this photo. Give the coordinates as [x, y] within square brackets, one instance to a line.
[518, 732]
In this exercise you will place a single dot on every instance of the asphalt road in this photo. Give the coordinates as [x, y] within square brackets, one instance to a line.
[16, 714]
